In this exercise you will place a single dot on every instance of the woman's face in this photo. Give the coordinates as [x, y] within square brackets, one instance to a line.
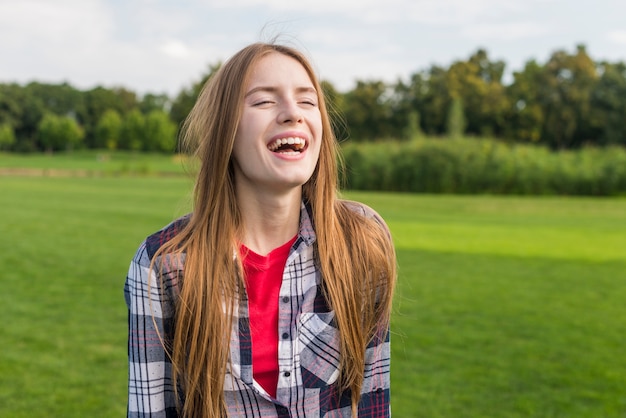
[280, 131]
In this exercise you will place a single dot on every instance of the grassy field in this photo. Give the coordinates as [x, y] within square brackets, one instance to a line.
[506, 307]
[89, 163]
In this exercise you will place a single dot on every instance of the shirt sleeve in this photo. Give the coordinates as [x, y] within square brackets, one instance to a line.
[150, 391]
[375, 395]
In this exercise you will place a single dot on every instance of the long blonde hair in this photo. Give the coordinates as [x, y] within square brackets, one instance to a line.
[355, 253]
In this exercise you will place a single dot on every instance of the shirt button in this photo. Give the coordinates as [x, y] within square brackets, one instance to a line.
[287, 374]
[285, 336]
[285, 299]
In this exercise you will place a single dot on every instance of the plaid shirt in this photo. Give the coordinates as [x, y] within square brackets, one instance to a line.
[308, 347]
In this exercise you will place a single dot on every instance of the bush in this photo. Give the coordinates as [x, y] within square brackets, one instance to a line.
[58, 133]
[483, 166]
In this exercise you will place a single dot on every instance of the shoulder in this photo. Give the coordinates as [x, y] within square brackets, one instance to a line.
[159, 238]
[362, 209]
[358, 207]
[368, 215]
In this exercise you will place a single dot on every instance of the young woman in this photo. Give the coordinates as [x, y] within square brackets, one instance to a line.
[272, 298]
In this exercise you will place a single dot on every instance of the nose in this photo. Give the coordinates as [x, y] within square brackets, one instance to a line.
[290, 113]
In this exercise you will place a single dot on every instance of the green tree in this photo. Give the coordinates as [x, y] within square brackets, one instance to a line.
[98, 101]
[456, 122]
[405, 121]
[431, 92]
[569, 81]
[108, 130]
[150, 102]
[413, 130]
[23, 111]
[367, 111]
[527, 116]
[59, 133]
[60, 99]
[159, 132]
[477, 82]
[608, 104]
[10, 104]
[7, 136]
[132, 135]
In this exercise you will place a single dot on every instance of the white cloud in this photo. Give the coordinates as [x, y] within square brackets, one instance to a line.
[28, 21]
[51, 41]
[344, 69]
[617, 36]
[164, 45]
[175, 49]
[511, 31]
[433, 12]
[88, 43]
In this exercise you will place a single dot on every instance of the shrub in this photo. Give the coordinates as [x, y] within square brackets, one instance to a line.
[483, 166]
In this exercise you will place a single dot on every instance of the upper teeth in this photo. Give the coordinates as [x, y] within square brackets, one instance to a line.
[299, 142]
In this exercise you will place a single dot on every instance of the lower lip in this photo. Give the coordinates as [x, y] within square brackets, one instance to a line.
[290, 156]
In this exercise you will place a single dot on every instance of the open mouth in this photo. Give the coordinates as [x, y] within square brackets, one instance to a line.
[287, 145]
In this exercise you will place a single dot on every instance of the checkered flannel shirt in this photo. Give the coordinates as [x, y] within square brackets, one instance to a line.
[308, 355]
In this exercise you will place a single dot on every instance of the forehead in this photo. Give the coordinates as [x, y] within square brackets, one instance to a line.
[278, 69]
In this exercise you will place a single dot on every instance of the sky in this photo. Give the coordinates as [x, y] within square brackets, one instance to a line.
[163, 46]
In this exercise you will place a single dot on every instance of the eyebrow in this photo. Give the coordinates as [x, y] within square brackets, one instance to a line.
[270, 89]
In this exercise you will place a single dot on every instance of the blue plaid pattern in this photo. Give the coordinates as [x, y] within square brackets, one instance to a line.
[308, 349]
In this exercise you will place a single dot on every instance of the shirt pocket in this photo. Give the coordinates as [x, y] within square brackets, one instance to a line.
[318, 341]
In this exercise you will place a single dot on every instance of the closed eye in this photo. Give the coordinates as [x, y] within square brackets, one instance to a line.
[262, 102]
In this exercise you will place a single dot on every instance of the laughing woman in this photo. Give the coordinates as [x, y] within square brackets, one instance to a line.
[273, 297]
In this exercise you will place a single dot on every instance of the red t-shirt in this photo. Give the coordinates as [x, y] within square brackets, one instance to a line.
[263, 276]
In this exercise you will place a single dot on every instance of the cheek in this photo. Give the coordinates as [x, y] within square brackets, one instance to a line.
[317, 150]
[316, 128]
[244, 131]
[239, 146]
[319, 130]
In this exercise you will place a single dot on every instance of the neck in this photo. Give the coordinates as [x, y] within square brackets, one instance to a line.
[269, 221]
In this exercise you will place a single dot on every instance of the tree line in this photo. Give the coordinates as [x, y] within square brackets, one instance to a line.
[567, 102]
[53, 117]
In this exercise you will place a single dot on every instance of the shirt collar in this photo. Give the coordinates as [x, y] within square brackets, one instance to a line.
[307, 231]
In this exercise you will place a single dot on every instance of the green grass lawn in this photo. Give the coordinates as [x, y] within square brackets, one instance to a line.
[506, 307]
[95, 163]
